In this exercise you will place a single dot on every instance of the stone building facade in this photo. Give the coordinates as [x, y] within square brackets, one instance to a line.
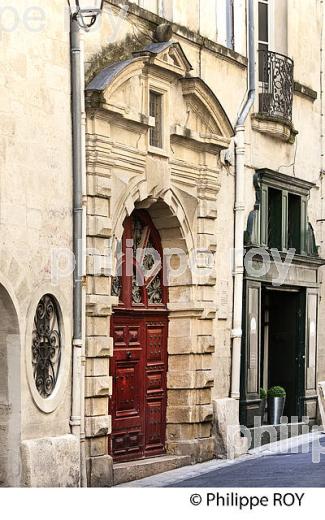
[36, 212]
[164, 84]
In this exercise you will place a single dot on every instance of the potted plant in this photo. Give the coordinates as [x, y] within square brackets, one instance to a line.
[263, 395]
[276, 397]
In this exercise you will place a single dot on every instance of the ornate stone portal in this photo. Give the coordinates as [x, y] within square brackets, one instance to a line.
[154, 135]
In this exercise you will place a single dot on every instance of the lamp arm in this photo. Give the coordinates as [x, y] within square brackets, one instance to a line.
[80, 17]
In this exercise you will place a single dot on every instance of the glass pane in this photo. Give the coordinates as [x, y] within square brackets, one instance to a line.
[137, 234]
[275, 218]
[294, 227]
[230, 24]
[263, 23]
[156, 112]
[262, 62]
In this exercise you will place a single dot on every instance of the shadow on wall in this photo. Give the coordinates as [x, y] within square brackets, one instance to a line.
[10, 392]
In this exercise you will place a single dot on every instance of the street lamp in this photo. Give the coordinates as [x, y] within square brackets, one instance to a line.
[85, 12]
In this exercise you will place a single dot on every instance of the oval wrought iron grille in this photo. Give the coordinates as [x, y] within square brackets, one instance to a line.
[46, 345]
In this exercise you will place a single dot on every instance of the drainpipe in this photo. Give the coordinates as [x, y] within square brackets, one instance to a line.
[78, 230]
[84, 268]
[322, 108]
[322, 43]
[236, 333]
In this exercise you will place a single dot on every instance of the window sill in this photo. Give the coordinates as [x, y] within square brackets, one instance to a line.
[274, 127]
[158, 151]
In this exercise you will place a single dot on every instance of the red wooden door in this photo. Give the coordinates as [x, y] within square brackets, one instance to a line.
[139, 327]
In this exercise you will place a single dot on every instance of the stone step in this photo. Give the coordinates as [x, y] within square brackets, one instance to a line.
[138, 469]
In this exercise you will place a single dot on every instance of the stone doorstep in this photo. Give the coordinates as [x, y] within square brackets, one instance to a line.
[261, 436]
[138, 469]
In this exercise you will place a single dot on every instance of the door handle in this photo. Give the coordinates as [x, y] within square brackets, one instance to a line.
[129, 355]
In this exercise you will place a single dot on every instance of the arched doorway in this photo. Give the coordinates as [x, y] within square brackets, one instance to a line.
[10, 392]
[139, 328]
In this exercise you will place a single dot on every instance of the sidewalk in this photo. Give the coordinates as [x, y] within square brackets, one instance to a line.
[254, 467]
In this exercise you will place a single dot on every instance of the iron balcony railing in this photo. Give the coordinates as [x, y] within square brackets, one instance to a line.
[276, 84]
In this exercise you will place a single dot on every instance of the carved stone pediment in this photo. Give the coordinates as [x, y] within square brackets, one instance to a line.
[205, 111]
[119, 89]
[200, 120]
[168, 56]
[206, 122]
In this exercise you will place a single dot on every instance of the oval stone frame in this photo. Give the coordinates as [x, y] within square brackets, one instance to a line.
[48, 404]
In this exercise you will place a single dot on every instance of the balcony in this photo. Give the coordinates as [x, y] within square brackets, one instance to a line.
[275, 96]
[276, 80]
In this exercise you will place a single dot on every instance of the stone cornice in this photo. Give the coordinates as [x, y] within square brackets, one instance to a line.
[311, 262]
[304, 91]
[286, 182]
[209, 143]
[154, 20]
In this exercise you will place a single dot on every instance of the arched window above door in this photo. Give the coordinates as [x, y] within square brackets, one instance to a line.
[139, 281]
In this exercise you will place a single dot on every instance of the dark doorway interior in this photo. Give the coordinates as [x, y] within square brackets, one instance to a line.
[283, 346]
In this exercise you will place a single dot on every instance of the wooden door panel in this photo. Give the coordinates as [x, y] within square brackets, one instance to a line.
[155, 342]
[127, 397]
[128, 392]
[155, 382]
[155, 426]
[119, 334]
[155, 369]
[127, 445]
[139, 368]
[126, 335]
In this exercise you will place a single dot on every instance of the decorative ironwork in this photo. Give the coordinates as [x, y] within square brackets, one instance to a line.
[149, 259]
[46, 346]
[136, 291]
[155, 291]
[137, 234]
[116, 286]
[143, 286]
[276, 76]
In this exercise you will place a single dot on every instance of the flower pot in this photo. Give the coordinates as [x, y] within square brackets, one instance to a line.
[262, 409]
[275, 409]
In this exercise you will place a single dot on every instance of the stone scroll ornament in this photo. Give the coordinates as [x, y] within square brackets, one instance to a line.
[321, 401]
[46, 346]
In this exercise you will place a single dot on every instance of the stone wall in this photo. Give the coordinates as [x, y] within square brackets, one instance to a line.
[36, 195]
